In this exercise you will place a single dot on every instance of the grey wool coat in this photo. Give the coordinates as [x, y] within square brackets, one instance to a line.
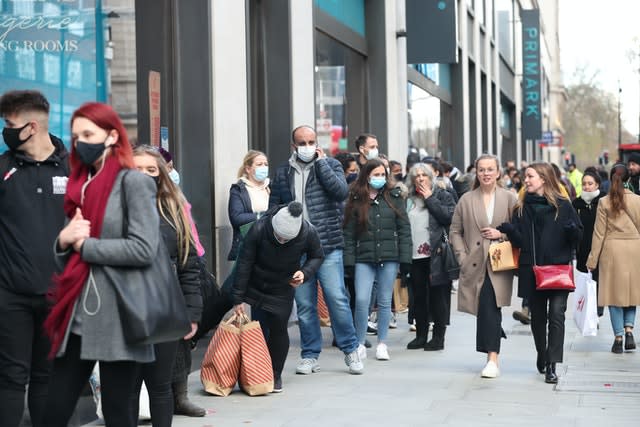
[95, 317]
[472, 250]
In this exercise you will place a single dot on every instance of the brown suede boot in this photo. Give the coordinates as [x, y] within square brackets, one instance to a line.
[181, 403]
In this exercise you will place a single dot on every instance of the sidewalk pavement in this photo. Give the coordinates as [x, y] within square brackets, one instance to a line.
[444, 388]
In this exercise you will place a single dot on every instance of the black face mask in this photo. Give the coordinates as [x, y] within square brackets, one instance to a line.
[398, 177]
[156, 179]
[352, 177]
[89, 153]
[12, 137]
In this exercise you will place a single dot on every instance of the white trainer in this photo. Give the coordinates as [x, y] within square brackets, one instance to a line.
[382, 352]
[307, 366]
[362, 352]
[490, 370]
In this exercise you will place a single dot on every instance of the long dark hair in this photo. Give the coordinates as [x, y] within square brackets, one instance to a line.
[358, 202]
[619, 175]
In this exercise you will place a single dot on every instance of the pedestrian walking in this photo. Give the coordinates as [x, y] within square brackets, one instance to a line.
[430, 209]
[483, 292]
[84, 324]
[546, 228]
[318, 183]
[175, 228]
[377, 241]
[614, 250]
[268, 271]
[34, 171]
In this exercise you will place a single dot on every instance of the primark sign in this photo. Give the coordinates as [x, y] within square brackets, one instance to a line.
[531, 78]
[41, 25]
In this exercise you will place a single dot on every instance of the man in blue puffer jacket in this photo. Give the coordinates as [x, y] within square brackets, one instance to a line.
[318, 183]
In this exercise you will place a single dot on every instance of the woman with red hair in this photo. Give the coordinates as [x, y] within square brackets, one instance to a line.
[84, 324]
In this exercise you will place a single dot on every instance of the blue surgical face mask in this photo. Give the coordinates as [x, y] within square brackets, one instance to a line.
[175, 176]
[372, 154]
[377, 182]
[307, 153]
[261, 173]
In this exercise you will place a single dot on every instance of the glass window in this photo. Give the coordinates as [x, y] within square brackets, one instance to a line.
[51, 66]
[3, 61]
[504, 13]
[49, 9]
[424, 120]
[26, 64]
[349, 12]
[23, 8]
[74, 74]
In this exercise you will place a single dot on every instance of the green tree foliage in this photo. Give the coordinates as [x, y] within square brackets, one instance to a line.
[590, 120]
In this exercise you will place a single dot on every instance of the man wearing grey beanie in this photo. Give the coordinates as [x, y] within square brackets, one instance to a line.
[268, 271]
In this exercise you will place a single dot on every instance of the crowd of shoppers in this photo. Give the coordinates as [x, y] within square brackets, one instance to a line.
[348, 225]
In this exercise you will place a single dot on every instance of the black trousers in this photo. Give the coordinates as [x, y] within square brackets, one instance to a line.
[157, 376]
[70, 375]
[274, 328]
[23, 357]
[548, 306]
[428, 301]
[489, 320]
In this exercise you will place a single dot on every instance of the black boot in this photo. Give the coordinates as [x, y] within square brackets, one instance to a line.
[421, 338]
[629, 342]
[437, 342]
[550, 376]
[181, 403]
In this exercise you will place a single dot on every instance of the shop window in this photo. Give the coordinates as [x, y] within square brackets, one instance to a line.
[424, 121]
[51, 67]
[26, 64]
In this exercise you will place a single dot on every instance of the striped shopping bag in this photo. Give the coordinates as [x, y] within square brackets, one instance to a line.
[256, 371]
[221, 364]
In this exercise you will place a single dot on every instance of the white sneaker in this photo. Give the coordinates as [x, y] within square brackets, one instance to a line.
[490, 370]
[382, 353]
[393, 323]
[307, 366]
[362, 352]
[354, 363]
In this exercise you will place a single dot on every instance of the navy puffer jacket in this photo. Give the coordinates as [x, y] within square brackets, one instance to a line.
[325, 191]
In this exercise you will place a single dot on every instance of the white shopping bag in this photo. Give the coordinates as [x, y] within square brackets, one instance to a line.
[144, 411]
[585, 300]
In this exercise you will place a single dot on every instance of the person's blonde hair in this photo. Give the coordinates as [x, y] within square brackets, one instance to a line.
[551, 187]
[171, 202]
[248, 161]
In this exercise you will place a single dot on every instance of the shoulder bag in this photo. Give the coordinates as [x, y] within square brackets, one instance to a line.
[554, 277]
[444, 265]
[150, 302]
[503, 256]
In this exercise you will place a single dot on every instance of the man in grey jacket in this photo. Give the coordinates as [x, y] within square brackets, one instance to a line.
[318, 183]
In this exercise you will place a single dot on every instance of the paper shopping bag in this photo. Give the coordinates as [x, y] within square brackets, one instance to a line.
[585, 312]
[400, 297]
[221, 364]
[256, 371]
[503, 256]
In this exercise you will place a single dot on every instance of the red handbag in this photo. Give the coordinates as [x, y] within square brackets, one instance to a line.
[557, 277]
[554, 277]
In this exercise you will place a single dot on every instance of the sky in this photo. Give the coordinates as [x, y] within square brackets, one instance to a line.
[599, 34]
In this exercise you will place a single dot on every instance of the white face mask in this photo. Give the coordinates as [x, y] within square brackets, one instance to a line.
[306, 153]
[175, 176]
[372, 154]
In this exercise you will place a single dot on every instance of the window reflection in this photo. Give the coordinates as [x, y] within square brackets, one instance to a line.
[424, 120]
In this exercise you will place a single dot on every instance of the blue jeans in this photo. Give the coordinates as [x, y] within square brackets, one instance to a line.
[384, 275]
[621, 317]
[331, 278]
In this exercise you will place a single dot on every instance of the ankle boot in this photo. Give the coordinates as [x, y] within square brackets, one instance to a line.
[181, 403]
[437, 342]
[420, 340]
[550, 376]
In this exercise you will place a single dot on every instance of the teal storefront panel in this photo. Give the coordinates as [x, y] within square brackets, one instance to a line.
[53, 46]
[348, 12]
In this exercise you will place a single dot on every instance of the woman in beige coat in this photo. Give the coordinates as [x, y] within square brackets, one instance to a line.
[481, 291]
[615, 248]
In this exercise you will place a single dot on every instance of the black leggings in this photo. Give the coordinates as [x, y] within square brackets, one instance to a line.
[274, 327]
[71, 374]
[157, 377]
[428, 301]
[489, 320]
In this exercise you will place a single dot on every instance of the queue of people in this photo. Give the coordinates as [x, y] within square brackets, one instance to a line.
[349, 227]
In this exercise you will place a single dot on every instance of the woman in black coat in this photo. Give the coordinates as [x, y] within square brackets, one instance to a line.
[544, 221]
[586, 206]
[268, 271]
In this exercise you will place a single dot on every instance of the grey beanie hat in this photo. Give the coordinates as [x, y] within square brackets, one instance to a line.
[287, 221]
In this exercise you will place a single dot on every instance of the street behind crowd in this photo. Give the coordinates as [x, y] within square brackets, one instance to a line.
[418, 388]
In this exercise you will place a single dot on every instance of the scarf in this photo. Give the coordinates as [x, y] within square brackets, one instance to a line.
[69, 284]
[588, 196]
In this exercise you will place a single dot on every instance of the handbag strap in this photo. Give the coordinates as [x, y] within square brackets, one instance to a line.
[533, 243]
[125, 209]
